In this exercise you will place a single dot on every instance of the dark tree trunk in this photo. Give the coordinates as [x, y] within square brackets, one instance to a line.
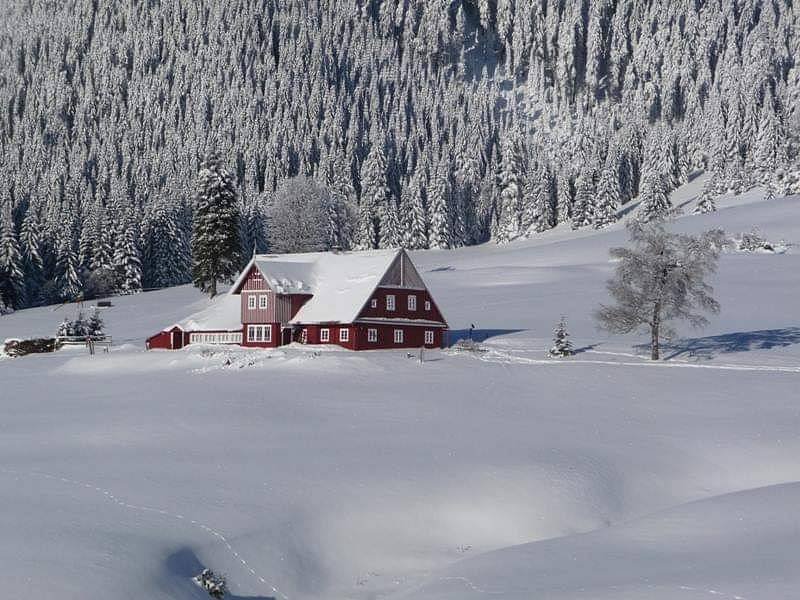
[654, 332]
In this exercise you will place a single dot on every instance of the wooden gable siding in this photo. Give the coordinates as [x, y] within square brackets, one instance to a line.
[402, 273]
[401, 310]
[255, 286]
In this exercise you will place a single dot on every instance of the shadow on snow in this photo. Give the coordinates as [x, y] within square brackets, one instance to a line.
[478, 335]
[742, 341]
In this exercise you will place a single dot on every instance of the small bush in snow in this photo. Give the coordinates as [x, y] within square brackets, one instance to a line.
[755, 242]
[214, 584]
[561, 344]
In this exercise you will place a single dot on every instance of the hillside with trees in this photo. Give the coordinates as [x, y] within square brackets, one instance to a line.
[431, 124]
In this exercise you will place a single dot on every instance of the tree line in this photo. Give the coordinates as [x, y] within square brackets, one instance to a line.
[430, 124]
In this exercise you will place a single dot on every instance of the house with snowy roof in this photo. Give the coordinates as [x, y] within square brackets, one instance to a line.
[358, 300]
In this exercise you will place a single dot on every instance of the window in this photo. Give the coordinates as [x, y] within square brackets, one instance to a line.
[372, 335]
[398, 336]
[251, 302]
[304, 336]
[344, 335]
[325, 335]
[262, 302]
[429, 337]
[374, 303]
[390, 302]
[412, 302]
[259, 333]
[427, 305]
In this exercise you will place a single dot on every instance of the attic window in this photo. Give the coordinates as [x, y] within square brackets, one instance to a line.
[262, 302]
[412, 302]
[374, 303]
[427, 305]
[390, 302]
[251, 302]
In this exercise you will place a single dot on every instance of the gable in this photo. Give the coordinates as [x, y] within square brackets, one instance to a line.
[402, 273]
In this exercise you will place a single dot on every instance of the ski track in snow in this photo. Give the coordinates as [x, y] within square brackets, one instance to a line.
[111, 497]
[500, 357]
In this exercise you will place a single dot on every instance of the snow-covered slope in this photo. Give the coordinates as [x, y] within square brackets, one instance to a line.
[340, 475]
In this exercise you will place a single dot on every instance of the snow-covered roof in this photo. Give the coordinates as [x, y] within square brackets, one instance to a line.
[223, 313]
[341, 283]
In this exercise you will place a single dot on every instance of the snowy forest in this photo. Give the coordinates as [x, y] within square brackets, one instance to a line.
[422, 124]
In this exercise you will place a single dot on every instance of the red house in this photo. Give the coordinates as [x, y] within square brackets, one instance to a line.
[357, 300]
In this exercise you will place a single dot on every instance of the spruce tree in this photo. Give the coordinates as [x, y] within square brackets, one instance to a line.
[12, 281]
[562, 346]
[216, 243]
[608, 199]
[655, 204]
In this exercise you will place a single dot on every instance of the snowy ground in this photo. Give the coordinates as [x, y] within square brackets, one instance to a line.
[340, 475]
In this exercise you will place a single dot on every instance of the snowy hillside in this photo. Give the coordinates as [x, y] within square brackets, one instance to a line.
[333, 474]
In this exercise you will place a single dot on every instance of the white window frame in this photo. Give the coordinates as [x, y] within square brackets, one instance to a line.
[372, 336]
[429, 336]
[373, 303]
[262, 302]
[344, 334]
[324, 335]
[304, 336]
[427, 304]
[390, 302]
[259, 334]
[398, 336]
[251, 302]
[412, 302]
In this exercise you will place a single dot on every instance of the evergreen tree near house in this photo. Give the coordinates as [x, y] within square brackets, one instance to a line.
[216, 245]
[562, 346]
[661, 278]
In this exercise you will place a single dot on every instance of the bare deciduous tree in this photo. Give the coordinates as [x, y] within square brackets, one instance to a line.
[661, 278]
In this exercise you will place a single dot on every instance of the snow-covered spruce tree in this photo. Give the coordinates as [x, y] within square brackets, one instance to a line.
[584, 207]
[510, 179]
[608, 198]
[298, 216]
[68, 284]
[127, 259]
[655, 203]
[439, 230]
[216, 245]
[374, 193]
[12, 280]
[661, 278]
[707, 202]
[390, 234]
[412, 216]
[562, 346]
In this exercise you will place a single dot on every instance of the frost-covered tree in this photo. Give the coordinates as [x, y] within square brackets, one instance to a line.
[12, 284]
[439, 230]
[216, 244]
[608, 198]
[299, 216]
[412, 216]
[655, 203]
[127, 259]
[562, 346]
[661, 278]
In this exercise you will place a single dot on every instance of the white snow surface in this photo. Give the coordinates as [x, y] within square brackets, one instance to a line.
[307, 473]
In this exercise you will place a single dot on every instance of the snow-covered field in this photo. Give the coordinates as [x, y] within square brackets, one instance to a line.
[333, 474]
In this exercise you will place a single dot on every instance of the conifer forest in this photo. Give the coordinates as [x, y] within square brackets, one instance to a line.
[422, 124]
